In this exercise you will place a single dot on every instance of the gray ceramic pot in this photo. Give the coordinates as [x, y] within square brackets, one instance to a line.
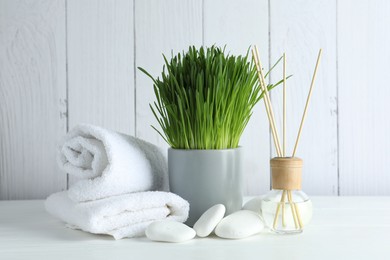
[205, 178]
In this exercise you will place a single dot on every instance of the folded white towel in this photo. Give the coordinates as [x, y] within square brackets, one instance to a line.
[110, 163]
[119, 216]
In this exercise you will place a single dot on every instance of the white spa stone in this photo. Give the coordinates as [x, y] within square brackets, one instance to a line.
[254, 205]
[240, 224]
[169, 231]
[209, 220]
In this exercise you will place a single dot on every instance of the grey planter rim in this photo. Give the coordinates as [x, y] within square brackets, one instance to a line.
[226, 149]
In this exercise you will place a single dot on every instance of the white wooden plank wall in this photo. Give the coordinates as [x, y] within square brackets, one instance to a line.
[101, 63]
[65, 62]
[32, 97]
[364, 125]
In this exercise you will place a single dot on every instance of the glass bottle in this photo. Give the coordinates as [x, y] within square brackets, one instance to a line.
[286, 209]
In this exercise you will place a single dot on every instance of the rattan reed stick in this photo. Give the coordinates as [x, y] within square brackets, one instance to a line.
[267, 100]
[292, 208]
[307, 102]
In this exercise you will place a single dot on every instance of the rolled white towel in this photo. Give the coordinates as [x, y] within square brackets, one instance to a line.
[109, 163]
[119, 216]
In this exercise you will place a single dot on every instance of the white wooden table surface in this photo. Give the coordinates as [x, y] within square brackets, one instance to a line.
[342, 228]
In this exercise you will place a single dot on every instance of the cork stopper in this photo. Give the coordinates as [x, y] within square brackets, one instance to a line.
[286, 173]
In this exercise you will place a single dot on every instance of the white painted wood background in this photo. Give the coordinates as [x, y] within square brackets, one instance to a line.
[63, 62]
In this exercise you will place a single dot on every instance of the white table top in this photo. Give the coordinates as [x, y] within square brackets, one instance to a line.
[342, 228]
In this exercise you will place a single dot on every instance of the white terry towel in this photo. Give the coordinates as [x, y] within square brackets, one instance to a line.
[110, 163]
[119, 216]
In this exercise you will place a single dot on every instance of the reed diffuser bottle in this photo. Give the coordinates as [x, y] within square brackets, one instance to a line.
[286, 208]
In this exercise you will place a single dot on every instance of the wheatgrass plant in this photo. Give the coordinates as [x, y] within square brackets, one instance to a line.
[205, 98]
